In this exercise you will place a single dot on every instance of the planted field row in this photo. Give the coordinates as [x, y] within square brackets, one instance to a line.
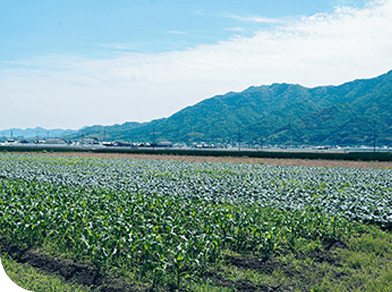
[157, 218]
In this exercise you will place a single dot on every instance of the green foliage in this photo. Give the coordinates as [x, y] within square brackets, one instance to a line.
[280, 113]
[167, 221]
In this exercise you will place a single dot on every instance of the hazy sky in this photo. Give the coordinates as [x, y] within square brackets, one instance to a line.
[71, 63]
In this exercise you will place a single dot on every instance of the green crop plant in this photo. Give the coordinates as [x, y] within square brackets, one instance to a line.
[167, 221]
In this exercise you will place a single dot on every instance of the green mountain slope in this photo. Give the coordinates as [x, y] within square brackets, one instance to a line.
[279, 113]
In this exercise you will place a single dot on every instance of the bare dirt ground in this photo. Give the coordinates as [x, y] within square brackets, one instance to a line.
[249, 160]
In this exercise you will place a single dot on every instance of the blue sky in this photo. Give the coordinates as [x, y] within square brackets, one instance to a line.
[105, 29]
[74, 63]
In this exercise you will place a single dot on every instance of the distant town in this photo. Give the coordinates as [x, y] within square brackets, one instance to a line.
[93, 143]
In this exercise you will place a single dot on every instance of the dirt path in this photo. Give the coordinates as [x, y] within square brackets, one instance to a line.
[268, 161]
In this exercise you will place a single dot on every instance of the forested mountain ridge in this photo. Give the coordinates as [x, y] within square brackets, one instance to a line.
[37, 132]
[279, 113]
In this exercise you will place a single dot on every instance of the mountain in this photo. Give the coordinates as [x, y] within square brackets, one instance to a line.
[36, 132]
[352, 113]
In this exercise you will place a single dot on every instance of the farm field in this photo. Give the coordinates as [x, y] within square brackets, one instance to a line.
[120, 224]
[231, 159]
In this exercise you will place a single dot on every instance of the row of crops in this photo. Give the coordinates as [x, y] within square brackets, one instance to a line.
[157, 218]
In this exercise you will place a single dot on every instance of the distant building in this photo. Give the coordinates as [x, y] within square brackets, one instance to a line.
[123, 144]
[164, 144]
[88, 141]
[108, 144]
[52, 141]
[40, 142]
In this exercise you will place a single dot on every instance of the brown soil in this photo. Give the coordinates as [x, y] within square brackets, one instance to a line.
[248, 160]
[83, 274]
[87, 275]
[267, 265]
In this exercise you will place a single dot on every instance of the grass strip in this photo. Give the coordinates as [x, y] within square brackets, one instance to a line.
[33, 279]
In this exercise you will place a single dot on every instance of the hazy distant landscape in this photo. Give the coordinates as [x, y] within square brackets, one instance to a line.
[354, 113]
[34, 133]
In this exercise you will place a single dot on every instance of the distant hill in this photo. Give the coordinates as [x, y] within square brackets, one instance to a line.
[347, 114]
[36, 132]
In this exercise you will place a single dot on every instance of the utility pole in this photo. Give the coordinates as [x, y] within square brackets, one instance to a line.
[290, 132]
[374, 136]
[178, 134]
[249, 136]
[153, 139]
[239, 138]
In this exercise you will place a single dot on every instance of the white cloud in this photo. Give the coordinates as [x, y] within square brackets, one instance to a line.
[198, 12]
[323, 49]
[242, 18]
[235, 29]
[177, 32]
[113, 46]
[254, 18]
